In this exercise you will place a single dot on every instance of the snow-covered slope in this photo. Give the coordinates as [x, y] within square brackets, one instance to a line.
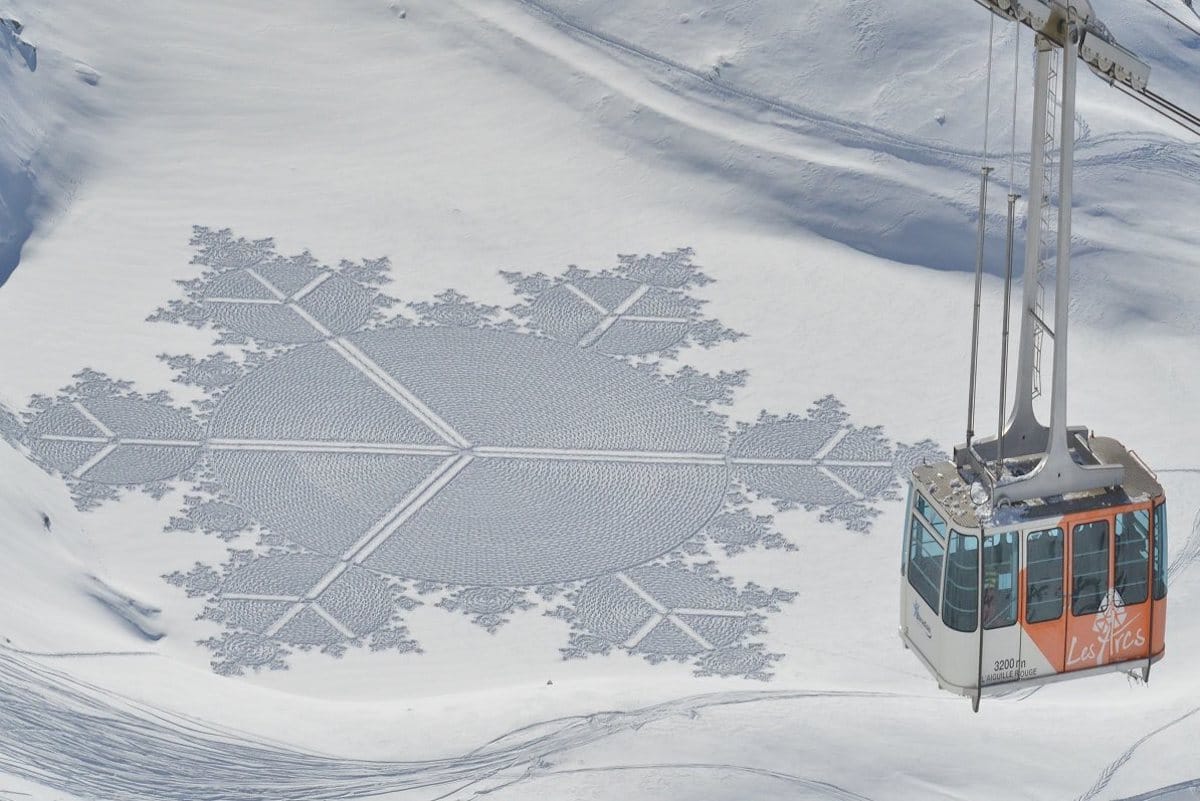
[389, 496]
[858, 155]
[53, 593]
[44, 147]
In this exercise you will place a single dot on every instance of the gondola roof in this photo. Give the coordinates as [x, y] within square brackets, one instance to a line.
[952, 488]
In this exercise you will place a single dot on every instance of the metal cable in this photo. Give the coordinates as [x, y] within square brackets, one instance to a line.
[987, 93]
[1193, 119]
[984, 172]
[1012, 156]
[1189, 126]
[1167, 11]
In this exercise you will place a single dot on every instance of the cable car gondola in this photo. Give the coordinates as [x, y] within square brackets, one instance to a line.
[1039, 554]
[1065, 587]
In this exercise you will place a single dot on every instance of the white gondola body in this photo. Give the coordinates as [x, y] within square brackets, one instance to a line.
[1066, 587]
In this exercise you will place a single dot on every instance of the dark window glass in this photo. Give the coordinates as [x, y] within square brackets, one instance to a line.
[961, 598]
[1160, 552]
[1089, 567]
[999, 580]
[1044, 575]
[904, 543]
[926, 510]
[924, 562]
[1133, 556]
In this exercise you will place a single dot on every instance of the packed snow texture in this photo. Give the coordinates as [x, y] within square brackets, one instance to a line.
[513, 398]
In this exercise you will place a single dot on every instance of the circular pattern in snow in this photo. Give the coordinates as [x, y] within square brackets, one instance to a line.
[817, 462]
[250, 649]
[613, 315]
[468, 456]
[286, 302]
[662, 610]
[733, 661]
[219, 516]
[487, 600]
[116, 440]
[305, 599]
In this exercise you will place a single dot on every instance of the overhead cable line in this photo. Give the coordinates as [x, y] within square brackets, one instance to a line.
[1169, 13]
[1012, 156]
[1185, 123]
[987, 93]
[1192, 118]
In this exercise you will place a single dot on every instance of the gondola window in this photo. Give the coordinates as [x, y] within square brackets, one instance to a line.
[999, 580]
[961, 598]
[1160, 552]
[1133, 556]
[924, 562]
[1044, 576]
[1089, 567]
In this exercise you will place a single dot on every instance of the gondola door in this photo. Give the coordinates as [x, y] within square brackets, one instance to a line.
[1127, 622]
[1043, 614]
[1089, 583]
[1109, 603]
[1001, 655]
[1159, 585]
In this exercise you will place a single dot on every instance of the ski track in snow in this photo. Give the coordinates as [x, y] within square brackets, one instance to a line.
[1189, 554]
[80, 739]
[831, 791]
[1107, 774]
[1174, 792]
[76, 654]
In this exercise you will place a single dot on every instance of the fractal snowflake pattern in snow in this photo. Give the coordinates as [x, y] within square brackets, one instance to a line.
[483, 460]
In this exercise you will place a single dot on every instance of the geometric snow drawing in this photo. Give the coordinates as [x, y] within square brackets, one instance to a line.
[488, 460]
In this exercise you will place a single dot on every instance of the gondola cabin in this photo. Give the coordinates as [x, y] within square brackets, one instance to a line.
[1039, 554]
[1035, 591]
